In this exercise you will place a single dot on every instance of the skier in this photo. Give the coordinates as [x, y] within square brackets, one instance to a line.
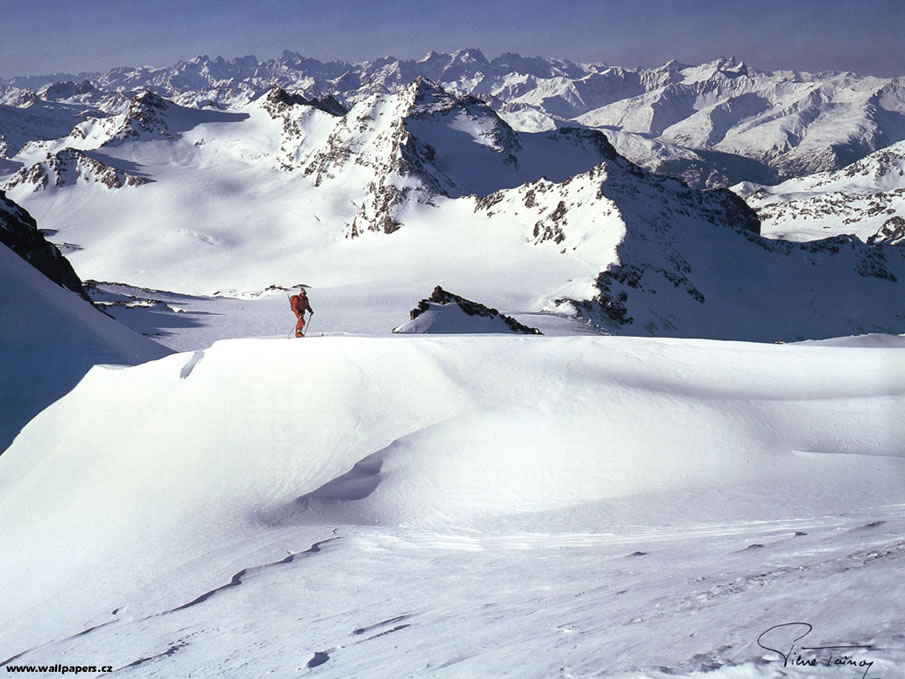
[300, 304]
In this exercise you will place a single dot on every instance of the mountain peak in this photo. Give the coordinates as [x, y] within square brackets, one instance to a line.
[277, 100]
[729, 65]
[430, 56]
[147, 98]
[278, 96]
[471, 55]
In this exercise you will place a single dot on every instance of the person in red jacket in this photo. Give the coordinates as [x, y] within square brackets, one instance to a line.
[300, 305]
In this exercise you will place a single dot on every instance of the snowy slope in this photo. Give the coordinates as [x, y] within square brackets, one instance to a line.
[33, 120]
[425, 142]
[673, 261]
[49, 338]
[376, 203]
[858, 199]
[561, 502]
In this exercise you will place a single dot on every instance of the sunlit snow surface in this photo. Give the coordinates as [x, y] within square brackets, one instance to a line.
[464, 506]
[356, 504]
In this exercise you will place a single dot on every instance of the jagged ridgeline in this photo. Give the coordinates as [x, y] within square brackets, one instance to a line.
[713, 124]
[257, 170]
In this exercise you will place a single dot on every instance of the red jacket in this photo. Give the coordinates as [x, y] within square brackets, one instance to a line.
[300, 304]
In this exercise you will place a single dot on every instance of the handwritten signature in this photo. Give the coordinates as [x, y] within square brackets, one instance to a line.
[784, 641]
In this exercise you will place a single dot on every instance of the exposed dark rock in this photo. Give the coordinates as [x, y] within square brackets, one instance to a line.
[441, 296]
[69, 166]
[891, 233]
[551, 227]
[319, 658]
[19, 232]
[278, 99]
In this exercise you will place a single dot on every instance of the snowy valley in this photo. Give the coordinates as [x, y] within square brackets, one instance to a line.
[645, 425]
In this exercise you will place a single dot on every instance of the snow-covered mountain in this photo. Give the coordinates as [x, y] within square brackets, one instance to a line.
[682, 262]
[864, 199]
[34, 120]
[711, 124]
[68, 167]
[436, 188]
[424, 143]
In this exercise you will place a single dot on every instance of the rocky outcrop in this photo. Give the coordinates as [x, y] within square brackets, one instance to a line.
[19, 232]
[278, 101]
[294, 110]
[146, 116]
[891, 233]
[69, 167]
[441, 300]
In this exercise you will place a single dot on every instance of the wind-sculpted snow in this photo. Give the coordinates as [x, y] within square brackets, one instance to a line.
[660, 462]
[49, 338]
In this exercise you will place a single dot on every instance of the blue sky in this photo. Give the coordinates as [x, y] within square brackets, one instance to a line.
[49, 36]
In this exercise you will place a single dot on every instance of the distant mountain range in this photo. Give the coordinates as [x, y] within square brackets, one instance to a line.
[713, 124]
[196, 199]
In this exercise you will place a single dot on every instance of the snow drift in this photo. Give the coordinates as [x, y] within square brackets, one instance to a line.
[201, 453]
[49, 338]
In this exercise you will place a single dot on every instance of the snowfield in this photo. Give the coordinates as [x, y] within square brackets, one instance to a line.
[462, 506]
[618, 497]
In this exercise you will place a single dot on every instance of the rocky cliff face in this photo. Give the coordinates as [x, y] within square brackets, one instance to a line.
[19, 232]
